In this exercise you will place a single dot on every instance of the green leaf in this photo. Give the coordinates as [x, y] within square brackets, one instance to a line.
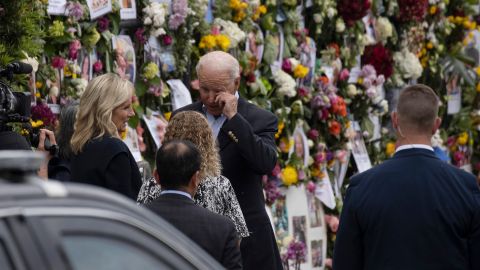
[140, 88]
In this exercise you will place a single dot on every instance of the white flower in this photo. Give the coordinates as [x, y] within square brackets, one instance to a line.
[339, 25]
[286, 84]
[54, 91]
[232, 31]
[158, 32]
[352, 90]
[294, 62]
[383, 29]
[31, 61]
[331, 12]
[408, 64]
[317, 17]
[147, 21]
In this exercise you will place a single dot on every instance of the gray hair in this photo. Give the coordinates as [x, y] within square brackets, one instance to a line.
[220, 61]
[65, 131]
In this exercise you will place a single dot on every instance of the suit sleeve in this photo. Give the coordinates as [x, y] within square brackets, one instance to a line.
[118, 173]
[257, 148]
[232, 258]
[348, 249]
[474, 238]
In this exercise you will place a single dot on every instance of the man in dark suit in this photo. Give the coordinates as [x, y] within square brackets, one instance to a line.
[245, 135]
[178, 163]
[413, 211]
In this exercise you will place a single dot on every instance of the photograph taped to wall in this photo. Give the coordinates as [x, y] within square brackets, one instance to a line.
[317, 253]
[124, 57]
[128, 10]
[300, 228]
[99, 8]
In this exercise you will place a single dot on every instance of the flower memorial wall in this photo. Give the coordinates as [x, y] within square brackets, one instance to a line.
[330, 70]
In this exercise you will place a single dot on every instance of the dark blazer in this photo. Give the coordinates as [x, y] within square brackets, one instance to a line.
[248, 151]
[413, 211]
[215, 233]
[107, 162]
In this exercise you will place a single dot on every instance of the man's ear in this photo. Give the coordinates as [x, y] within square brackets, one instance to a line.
[436, 125]
[157, 177]
[195, 180]
[394, 117]
[237, 83]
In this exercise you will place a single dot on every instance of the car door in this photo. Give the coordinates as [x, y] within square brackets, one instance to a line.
[10, 256]
[82, 239]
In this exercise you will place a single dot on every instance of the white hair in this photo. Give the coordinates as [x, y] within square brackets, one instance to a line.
[220, 61]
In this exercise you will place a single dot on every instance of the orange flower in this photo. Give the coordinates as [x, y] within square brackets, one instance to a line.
[336, 48]
[340, 107]
[334, 128]
[323, 79]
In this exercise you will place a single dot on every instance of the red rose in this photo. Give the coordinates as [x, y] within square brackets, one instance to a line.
[380, 58]
[412, 10]
[353, 10]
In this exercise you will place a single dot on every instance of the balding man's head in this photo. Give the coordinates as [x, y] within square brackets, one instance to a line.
[417, 110]
[220, 63]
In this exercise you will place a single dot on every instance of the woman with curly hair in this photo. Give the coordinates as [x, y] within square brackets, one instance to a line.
[100, 157]
[215, 191]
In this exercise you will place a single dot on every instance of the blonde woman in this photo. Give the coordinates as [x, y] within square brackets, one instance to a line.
[215, 191]
[99, 155]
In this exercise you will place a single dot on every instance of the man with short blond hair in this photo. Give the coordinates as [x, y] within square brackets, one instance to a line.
[413, 211]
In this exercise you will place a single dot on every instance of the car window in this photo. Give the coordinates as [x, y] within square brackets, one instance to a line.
[87, 252]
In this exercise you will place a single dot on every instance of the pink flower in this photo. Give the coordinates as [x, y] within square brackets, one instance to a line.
[458, 156]
[167, 40]
[277, 170]
[102, 24]
[287, 65]
[311, 187]
[302, 92]
[329, 263]
[98, 66]
[332, 222]
[58, 62]
[215, 30]
[73, 49]
[344, 74]
[320, 157]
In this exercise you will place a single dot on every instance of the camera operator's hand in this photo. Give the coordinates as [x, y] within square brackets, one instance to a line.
[45, 134]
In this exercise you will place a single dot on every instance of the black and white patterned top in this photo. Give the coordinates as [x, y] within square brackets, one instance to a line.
[214, 193]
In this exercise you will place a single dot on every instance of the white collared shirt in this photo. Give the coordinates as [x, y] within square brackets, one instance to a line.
[179, 192]
[412, 146]
[216, 122]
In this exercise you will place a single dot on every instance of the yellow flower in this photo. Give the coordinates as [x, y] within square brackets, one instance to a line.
[390, 149]
[289, 176]
[223, 42]
[24, 132]
[66, 71]
[281, 125]
[285, 145]
[123, 134]
[360, 80]
[467, 24]
[462, 138]
[207, 42]
[239, 16]
[150, 71]
[37, 94]
[429, 45]
[262, 9]
[477, 70]
[433, 10]
[300, 71]
[38, 84]
[167, 115]
[36, 124]
[478, 87]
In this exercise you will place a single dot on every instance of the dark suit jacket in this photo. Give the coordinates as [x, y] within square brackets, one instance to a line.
[107, 162]
[411, 212]
[247, 151]
[215, 233]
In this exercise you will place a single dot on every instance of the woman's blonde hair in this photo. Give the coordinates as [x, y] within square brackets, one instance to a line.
[193, 126]
[94, 117]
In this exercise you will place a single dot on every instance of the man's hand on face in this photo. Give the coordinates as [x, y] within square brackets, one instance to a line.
[228, 102]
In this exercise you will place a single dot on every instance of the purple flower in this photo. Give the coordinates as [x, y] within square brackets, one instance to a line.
[313, 134]
[74, 10]
[311, 187]
[102, 24]
[139, 36]
[42, 112]
[272, 192]
[179, 13]
[297, 251]
[330, 156]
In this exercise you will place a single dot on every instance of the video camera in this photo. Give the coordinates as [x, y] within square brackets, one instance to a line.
[15, 106]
